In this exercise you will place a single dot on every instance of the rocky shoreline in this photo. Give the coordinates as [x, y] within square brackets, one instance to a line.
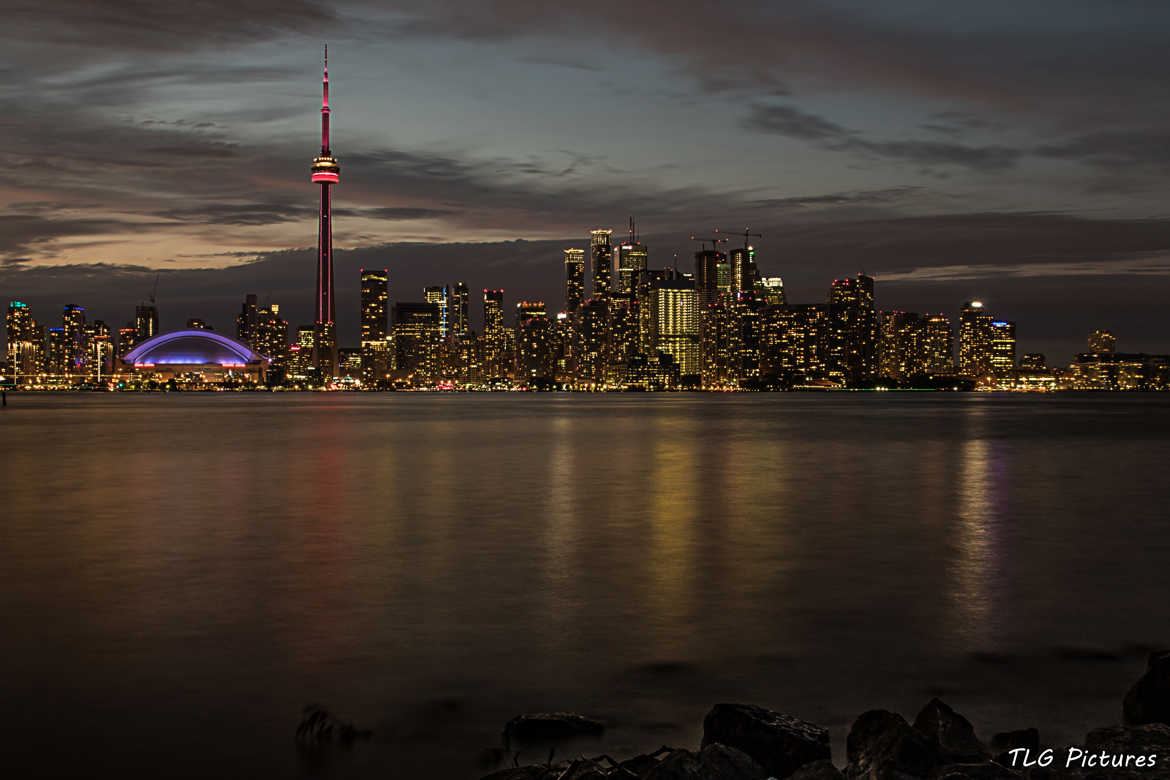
[749, 742]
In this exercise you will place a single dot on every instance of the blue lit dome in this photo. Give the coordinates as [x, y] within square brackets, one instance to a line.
[191, 347]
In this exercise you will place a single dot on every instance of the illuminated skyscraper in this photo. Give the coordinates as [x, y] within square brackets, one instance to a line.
[272, 340]
[535, 342]
[438, 295]
[936, 345]
[632, 260]
[460, 311]
[326, 171]
[898, 355]
[24, 349]
[495, 337]
[76, 355]
[146, 321]
[1102, 342]
[745, 276]
[375, 364]
[773, 287]
[593, 348]
[1003, 347]
[707, 263]
[100, 349]
[974, 341]
[676, 323]
[248, 321]
[574, 279]
[854, 352]
[601, 258]
[416, 342]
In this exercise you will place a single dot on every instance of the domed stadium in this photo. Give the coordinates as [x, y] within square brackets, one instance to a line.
[196, 355]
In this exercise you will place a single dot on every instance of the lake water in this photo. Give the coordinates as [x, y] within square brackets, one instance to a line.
[180, 574]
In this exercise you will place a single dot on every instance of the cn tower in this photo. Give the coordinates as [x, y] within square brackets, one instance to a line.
[326, 172]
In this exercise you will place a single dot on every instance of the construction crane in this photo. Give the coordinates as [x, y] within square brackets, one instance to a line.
[715, 241]
[748, 235]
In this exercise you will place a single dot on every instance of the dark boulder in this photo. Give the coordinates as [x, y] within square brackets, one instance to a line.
[1148, 701]
[818, 770]
[714, 762]
[882, 746]
[781, 744]
[551, 727]
[319, 727]
[1117, 742]
[519, 773]
[1003, 743]
[954, 735]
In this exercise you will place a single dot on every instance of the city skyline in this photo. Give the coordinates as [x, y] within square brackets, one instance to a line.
[896, 201]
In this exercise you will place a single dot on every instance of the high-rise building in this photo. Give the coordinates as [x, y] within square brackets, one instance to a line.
[127, 338]
[1102, 342]
[707, 263]
[601, 259]
[632, 260]
[854, 353]
[593, 348]
[326, 171]
[797, 343]
[439, 295]
[495, 338]
[1003, 347]
[574, 279]
[536, 342]
[460, 311]
[146, 321]
[24, 347]
[974, 341]
[76, 354]
[644, 308]
[100, 348]
[899, 354]
[57, 361]
[416, 342]
[716, 345]
[1033, 361]
[676, 323]
[936, 345]
[272, 340]
[773, 287]
[375, 347]
[248, 321]
[745, 276]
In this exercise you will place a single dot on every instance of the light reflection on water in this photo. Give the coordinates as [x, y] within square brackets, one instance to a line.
[182, 573]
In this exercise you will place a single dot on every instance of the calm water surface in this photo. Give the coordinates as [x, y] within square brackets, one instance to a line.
[180, 574]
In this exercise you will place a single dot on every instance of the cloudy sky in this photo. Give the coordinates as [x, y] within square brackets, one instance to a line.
[1017, 152]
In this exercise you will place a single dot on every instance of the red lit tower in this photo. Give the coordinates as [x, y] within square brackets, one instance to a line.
[326, 172]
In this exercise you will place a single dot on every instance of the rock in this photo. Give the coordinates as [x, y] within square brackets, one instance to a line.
[1006, 741]
[1117, 742]
[319, 727]
[1148, 701]
[881, 745]
[985, 770]
[584, 769]
[518, 773]
[818, 770]
[714, 762]
[550, 727]
[781, 744]
[957, 743]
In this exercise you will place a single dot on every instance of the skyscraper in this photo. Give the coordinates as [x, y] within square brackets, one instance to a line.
[632, 260]
[974, 340]
[898, 356]
[416, 342]
[24, 349]
[460, 311]
[936, 345]
[438, 295]
[146, 321]
[745, 276]
[247, 321]
[601, 258]
[494, 336]
[676, 323]
[374, 350]
[1102, 342]
[1003, 347]
[707, 262]
[326, 171]
[854, 355]
[574, 279]
[75, 354]
[773, 287]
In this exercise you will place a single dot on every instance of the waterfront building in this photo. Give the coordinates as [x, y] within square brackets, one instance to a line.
[1003, 348]
[416, 343]
[24, 357]
[676, 323]
[460, 311]
[936, 345]
[974, 341]
[100, 349]
[574, 279]
[375, 297]
[194, 358]
[146, 321]
[855, 326]
[593, 350]
[536, 343]
[1033, 361]
[899, 355]
[796, 344]
[76, 354]
[1102, 342]
[439, 295]
[127, 338]
[495, 335]
[601, 261]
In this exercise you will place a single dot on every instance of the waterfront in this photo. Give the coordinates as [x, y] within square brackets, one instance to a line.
[180, 573]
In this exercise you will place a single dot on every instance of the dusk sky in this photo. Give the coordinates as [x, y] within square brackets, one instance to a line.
[1017, 152]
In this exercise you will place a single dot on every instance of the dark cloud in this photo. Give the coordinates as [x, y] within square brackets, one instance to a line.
[793, 123]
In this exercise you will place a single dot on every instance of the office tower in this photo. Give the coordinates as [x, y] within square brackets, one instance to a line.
[300, 353]
[460, 311]
[375, 295]
[76, 355]
[574, 279]
[127, 338]
[773, 287]
[855, 329]
[146, 321]
[1003, 347]
[198, 323]
[707, 262]
[632, 260]
[247, 321]
[536, 341]
[601, 259]
[439, 295]
[272, 341]
[898, 353]
[100, 351]
[644, 309]
[24, 347]
[745, 276]
[495, 339]
[676, 323]
[974, 340]
[416, 342]
[1102, 342]
[326, 171]
[936, 345]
